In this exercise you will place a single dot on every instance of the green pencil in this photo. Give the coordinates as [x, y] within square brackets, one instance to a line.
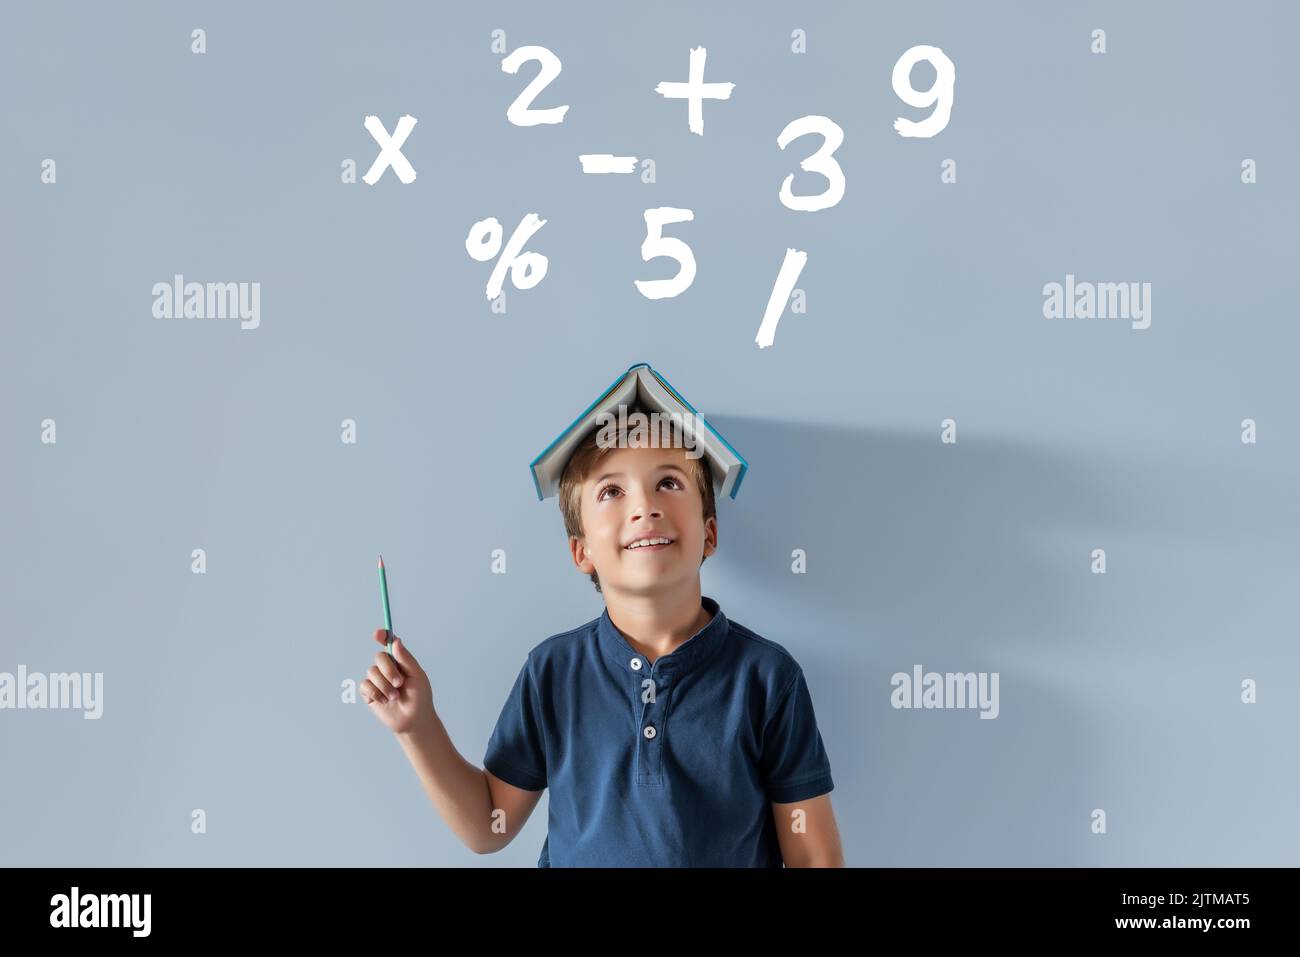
[383, 594]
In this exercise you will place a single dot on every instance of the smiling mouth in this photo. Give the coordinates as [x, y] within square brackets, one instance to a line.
[649, 548]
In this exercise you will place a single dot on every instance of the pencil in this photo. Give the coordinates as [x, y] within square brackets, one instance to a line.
[383, 594]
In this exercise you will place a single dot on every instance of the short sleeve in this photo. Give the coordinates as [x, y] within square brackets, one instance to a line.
[516, 751]
[794, 764]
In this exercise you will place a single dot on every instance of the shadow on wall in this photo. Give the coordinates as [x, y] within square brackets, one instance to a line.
[965, 557]
[983, 539]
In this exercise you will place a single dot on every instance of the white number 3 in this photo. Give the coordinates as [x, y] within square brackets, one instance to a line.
[820, 162]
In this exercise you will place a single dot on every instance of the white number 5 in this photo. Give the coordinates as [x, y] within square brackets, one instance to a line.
[656, 244]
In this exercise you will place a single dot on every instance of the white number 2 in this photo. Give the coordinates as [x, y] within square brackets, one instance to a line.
[520, 112]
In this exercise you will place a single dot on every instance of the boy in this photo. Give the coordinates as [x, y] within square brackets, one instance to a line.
[668, 734]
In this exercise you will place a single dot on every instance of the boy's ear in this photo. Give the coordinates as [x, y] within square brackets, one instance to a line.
[710, 536]
[579, 550]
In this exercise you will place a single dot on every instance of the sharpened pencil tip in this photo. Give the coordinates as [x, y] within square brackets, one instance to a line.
[381, 561]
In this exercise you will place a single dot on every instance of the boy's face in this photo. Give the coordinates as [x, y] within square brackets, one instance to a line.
[634, 493]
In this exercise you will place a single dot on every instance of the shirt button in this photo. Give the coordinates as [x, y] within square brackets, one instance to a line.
[649, 730]
[636, 664]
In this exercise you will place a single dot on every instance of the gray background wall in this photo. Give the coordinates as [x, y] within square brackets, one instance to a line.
[1119, 691]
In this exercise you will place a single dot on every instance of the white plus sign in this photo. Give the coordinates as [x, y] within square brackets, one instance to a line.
[696, 91]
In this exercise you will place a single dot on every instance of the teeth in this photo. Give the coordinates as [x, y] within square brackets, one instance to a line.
[650, 541]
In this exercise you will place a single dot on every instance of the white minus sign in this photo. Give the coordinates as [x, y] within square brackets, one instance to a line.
[607, 163]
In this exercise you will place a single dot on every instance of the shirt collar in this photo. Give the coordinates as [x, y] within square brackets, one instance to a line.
[691, 653]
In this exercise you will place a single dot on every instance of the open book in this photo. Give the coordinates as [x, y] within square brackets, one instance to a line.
[641, 385]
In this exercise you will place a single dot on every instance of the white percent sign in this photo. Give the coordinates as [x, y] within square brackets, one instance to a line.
[526, 269]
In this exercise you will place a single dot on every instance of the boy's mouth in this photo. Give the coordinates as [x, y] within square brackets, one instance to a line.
[649, 543]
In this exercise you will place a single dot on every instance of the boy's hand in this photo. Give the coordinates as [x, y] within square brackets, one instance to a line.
[397, 691]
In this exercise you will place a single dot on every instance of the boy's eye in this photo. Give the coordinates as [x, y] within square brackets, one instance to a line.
[600, 496]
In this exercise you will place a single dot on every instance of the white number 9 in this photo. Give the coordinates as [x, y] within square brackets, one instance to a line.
[941, 92]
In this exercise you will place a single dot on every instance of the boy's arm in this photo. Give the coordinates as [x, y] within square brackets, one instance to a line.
[465, 795]
[815, 842]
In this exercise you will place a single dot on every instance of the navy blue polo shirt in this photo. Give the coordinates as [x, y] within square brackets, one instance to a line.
[670, 764]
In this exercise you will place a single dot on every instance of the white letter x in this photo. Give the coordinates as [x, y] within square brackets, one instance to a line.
[390, 153]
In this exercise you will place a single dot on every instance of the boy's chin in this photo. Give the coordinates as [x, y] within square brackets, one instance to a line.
[646, 581]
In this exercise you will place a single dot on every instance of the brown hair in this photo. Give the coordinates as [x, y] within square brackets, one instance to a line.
[589, 453]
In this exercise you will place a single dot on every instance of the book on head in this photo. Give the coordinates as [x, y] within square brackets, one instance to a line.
[641, 386]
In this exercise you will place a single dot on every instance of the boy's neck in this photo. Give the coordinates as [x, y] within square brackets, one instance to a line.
[655, 625]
